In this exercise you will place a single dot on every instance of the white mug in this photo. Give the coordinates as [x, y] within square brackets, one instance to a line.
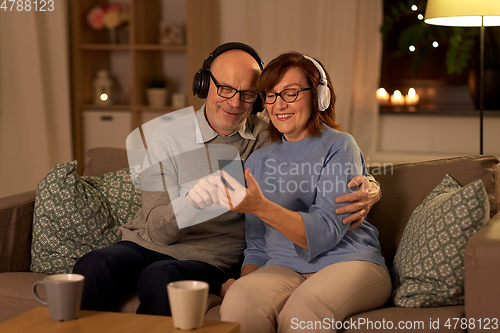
[188, 303]
[64, 295]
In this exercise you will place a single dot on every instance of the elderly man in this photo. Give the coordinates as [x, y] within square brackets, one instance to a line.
[154, 251]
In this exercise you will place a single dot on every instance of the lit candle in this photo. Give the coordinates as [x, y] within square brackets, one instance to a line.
[397, 98]
[382, 96]
[412, 98]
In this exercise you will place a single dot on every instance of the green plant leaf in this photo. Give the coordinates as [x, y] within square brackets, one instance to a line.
[458, 56]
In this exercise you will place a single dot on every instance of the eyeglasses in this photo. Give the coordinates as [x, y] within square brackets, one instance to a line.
[288, 95]
[246, 96]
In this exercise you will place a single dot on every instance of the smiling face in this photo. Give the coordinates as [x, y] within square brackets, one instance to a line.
[292, 119]
[237, 69]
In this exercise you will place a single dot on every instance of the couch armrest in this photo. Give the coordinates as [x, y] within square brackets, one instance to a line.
[482, 273]
[16, 222]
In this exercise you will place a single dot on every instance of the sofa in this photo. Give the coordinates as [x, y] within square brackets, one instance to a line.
[404, 186]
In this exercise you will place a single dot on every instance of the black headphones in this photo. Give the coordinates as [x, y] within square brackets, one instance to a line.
[201, 80]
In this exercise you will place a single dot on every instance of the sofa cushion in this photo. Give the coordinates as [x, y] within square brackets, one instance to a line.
[405, 186]
[74, 215]
[428, 268]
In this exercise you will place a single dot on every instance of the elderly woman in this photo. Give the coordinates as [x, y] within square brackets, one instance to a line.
[303, 268]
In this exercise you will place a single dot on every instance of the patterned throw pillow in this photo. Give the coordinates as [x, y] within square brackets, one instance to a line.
[428, 268]
[75, 215]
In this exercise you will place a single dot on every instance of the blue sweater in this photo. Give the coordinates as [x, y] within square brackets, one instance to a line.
[306, 176]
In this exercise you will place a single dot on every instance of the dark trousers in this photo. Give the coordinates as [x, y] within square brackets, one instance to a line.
[113, 271]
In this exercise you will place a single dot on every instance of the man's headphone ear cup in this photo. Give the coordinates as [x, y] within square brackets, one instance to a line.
[196, 83]
[201, 83]
[323, 97]
[258, 105]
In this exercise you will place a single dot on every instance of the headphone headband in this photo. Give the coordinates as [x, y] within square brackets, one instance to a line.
[232, 46]
[323, 91]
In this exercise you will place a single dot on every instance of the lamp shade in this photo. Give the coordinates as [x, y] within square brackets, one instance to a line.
[462, 13]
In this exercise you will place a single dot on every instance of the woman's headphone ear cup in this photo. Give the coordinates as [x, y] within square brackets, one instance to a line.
[323, 91]
[323, 97]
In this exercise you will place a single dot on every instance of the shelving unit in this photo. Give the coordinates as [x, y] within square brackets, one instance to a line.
[130, 63]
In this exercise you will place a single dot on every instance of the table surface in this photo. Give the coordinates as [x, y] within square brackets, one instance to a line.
[38, 321]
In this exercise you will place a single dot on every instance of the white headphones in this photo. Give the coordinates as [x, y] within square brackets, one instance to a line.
[323, 91]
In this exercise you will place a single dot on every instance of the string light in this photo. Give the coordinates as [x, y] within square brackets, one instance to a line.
[435, 44]
[412, 48]
[420, 17]
[104, 97]
[414, 8]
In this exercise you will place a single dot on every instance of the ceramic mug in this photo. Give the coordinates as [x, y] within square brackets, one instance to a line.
[64, 295]
[188, 303]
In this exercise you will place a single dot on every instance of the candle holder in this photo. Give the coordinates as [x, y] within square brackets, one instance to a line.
[102, 88]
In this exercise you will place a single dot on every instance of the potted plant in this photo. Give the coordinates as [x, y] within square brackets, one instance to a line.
[404, 21]
[157, 90]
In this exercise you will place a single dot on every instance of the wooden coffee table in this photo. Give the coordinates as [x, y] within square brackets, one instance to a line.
[38, 321]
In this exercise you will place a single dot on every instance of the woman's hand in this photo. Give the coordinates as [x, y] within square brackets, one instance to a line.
[241, 200]
[250, 200]
[225, 287]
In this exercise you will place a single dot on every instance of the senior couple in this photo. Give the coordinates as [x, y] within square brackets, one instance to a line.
[308, 252]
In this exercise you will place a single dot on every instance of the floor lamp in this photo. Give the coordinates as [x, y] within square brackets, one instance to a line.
[467, 13]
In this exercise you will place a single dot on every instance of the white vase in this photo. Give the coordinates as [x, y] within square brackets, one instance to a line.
[157, 97]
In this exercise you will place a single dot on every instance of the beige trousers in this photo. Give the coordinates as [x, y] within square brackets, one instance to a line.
[275, 298]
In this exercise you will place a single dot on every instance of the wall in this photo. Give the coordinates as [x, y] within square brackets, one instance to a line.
[412, 137]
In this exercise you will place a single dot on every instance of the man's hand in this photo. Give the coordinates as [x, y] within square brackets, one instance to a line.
[225, 287]
[362, 201]
[204, 193]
